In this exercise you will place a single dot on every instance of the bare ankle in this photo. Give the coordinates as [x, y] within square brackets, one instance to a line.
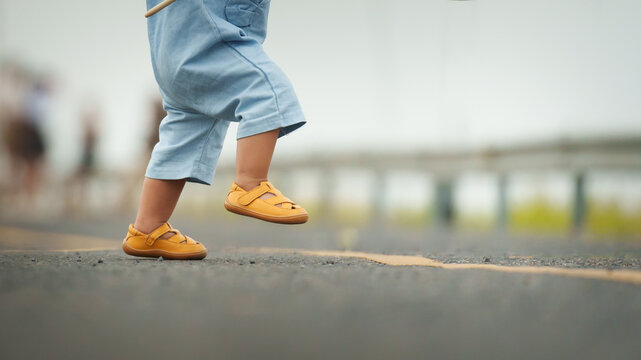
[147, 226]
[248, 183]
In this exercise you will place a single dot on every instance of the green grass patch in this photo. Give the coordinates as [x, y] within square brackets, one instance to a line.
[414, 218]
[540, 216]
[475, 222]
[350, 215]
[608, 218]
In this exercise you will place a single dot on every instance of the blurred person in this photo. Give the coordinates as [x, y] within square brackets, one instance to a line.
[76, 190]
[211, 68]
[13, 89]
[14, 82]
[24, 136]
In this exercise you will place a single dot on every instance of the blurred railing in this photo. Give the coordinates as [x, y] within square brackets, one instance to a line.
[107, 192]
[579, 157]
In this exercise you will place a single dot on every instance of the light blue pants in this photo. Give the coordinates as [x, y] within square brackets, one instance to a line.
[209, 62]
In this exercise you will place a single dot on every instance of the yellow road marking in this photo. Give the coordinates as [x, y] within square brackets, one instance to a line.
[624, 276]
[20, 240]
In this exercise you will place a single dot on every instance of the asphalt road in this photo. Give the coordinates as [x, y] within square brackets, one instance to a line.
[244, 305]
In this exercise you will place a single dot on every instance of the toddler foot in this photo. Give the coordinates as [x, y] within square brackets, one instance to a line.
[157, 244]
[264, 202]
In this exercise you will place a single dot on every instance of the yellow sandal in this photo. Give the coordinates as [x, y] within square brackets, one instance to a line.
[177, 247]
[249, 203]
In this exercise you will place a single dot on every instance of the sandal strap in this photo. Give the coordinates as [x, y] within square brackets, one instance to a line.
[263, 188]
[158, 232]
[255, 193]
[278, 199]
[180, 238]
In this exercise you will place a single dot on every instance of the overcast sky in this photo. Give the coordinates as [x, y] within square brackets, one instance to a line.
[370, 74]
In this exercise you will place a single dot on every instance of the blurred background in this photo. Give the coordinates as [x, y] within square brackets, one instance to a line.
[509, 117]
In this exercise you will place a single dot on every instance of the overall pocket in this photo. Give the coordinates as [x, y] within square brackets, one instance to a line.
[245, 13]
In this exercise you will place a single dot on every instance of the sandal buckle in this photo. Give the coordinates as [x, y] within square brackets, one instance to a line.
[150, 240]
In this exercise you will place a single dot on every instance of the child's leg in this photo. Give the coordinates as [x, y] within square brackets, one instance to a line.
[251, 194]
[157, 203]
[151, 235]
[253, 157]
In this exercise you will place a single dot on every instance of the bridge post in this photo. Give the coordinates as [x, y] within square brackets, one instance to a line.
[327, 187]
[444, 204]
[579, 204]
[378, 195]
[502, 210]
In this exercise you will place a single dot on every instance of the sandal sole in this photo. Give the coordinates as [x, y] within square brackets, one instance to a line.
[288, 220]
[156, 253]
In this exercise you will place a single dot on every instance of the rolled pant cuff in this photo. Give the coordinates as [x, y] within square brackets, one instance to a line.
[286, 124]
[197, 172]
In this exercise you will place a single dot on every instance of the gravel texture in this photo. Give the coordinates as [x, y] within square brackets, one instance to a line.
[596, 262]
